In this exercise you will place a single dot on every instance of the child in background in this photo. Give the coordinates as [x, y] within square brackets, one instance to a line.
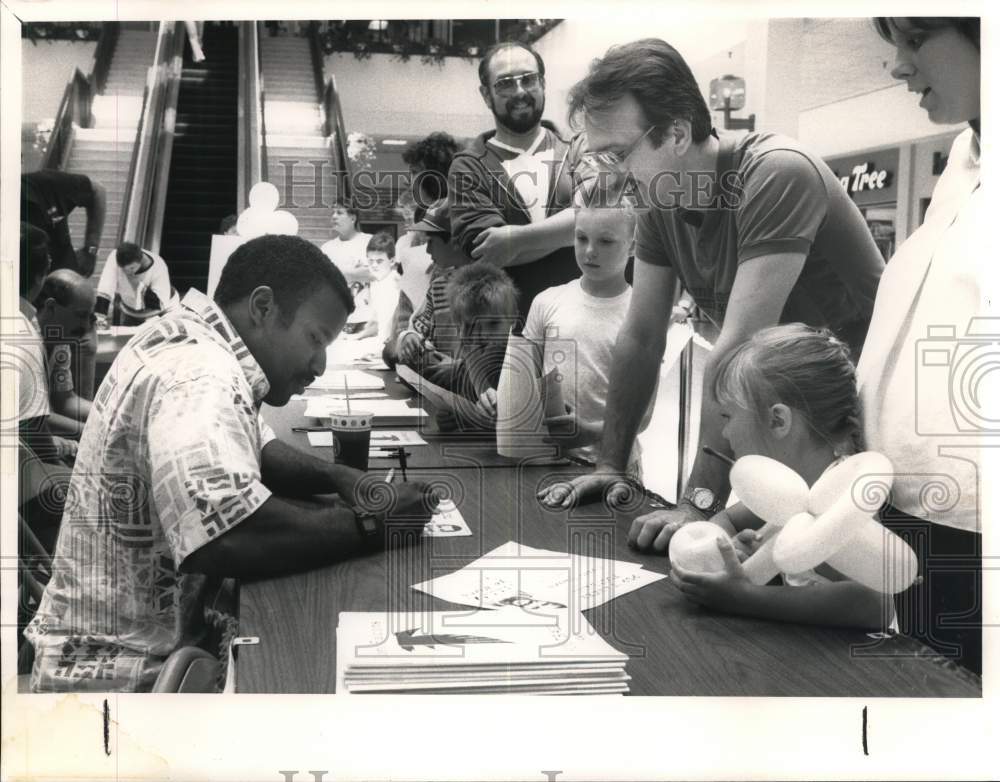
[430, 329]
[788, 393]
[384, 289]
[576, 326]
[483, 302]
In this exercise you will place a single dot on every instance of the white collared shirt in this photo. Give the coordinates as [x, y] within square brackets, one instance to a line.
[917, 373]
[170, 459]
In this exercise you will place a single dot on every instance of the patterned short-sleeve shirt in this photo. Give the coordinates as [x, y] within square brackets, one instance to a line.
[170, 459]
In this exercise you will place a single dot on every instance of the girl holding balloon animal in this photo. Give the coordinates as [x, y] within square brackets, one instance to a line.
[789, 394]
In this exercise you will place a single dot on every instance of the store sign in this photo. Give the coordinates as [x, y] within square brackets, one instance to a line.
[868, 179]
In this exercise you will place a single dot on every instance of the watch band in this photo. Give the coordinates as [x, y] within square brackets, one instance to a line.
[367, 525]
[703, 500]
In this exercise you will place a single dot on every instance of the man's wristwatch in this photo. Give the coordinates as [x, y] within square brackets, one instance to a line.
[703, 500]
[368, 526]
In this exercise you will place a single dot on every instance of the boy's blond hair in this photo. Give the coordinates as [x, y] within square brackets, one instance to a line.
[608, 193]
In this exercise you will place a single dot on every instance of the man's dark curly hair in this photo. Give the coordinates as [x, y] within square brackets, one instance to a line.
[431, 158]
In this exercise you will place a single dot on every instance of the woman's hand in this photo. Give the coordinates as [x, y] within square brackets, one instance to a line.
[746, 542]
[723, 591]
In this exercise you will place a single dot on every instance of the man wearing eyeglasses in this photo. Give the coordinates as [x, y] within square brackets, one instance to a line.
[758, 230]
[511, 191]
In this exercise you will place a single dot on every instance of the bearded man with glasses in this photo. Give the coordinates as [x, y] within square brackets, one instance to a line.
[511, 191]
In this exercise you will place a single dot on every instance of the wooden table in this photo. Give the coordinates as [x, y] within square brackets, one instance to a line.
[456, 450]
[675, 647]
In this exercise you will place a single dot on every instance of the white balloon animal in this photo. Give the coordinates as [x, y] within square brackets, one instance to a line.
[832, 522]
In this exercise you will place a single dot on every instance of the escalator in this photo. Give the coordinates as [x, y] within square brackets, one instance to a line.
[202, 184]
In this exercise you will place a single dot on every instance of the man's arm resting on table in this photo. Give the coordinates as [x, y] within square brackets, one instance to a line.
[64, 426]
[294, 473]
[837, 604]
[636, 366]
[280, 537]
[70, 405]
[756, 301]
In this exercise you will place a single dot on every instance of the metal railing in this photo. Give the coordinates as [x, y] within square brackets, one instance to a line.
[333, 117]
[106, 45]
[145, 186]
[251, 150]
[74, 109]
[161, 147]
[333, 128]
[78, 98]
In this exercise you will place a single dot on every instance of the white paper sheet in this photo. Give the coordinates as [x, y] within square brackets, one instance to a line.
[442, 399]
[394, 438]
[386, 411]
[354, 379]
[537, 579]
[356, 352]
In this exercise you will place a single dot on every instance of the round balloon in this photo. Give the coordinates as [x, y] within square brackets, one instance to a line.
[866, 476]
[252, 223]
[693, 547]
[769, 489]
[264, 196]
[283, 223]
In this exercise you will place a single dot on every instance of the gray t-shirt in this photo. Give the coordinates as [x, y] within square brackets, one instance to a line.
[772, 196]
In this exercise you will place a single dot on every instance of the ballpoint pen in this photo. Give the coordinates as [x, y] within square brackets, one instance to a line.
[717, 455]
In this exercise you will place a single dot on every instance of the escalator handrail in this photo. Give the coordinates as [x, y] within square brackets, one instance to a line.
[163, 149]
[252, 161]
[135, 199]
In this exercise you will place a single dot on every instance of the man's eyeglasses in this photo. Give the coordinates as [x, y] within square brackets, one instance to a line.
[615, 160]
[508, 84]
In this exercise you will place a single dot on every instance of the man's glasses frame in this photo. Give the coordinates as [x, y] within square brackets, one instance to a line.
[616, 160]
[527, 81]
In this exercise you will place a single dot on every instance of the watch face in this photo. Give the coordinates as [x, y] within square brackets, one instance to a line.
[702, 499]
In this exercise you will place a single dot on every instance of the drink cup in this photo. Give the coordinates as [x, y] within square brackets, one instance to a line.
[352, 434]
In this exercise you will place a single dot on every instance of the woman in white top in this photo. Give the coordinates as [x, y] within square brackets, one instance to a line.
[918, 370]
[348, 248]
[136, 279]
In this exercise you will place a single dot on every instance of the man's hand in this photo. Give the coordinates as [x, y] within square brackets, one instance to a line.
[497, 245]
[566, 432]
[723, 590]
[566, 494]
[409, 347]
[86, 259]
[402, 508]
[654, 530]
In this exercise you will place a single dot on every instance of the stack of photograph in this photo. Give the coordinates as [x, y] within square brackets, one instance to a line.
[476, 652]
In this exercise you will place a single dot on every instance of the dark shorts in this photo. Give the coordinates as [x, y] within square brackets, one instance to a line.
[943, 609]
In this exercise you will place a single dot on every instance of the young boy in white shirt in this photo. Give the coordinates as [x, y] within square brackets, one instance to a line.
[576, 325]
